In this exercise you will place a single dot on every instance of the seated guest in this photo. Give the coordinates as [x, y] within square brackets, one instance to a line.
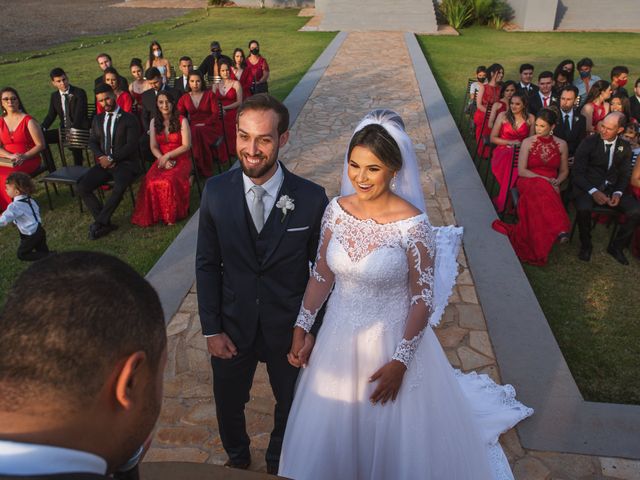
[149, 107]
[156, 59]
[24, 212]
[620, 103]
[488, 94]
[123, 97]
[634, 101]
[596, 106]
[635, 190]
[525, 86]
[507, 91]
[481, 77]
[510, 129]
[69, 104]
[568, 66]
[164, 191]
[209, 66]
[200, 106]
[228, 94]
[104, 61]
[139, 84]
[571, 126]
[114, 142]
[81, 404]
[560, 80]
[586, 79]
[21, 141]
[542, 218]
[239, 72]
[544, 98]
[619, 78]
[258, 69]
[182, 82]
[601, 173]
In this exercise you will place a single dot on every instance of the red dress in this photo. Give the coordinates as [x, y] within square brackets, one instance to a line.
[245, 81]
[541, 214]
[164, 194]
[599, 112]
[124, 101]
[229, 117]
[491, 95]
[256, 71]
[18, 141]
[502, 161]
[206, 128]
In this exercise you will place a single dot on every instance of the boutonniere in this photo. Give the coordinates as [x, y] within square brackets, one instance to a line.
[620, 148]
[285, 203]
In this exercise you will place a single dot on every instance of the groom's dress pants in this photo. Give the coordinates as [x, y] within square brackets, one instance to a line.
[232, 380]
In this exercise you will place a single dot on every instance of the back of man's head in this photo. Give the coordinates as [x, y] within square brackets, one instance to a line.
[70, 326]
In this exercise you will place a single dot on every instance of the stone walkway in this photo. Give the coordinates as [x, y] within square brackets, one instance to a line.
[350, 87]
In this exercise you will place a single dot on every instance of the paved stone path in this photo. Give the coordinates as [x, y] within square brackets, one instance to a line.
[350, 88]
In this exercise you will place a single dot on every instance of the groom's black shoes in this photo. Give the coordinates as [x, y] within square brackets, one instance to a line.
[239, 464]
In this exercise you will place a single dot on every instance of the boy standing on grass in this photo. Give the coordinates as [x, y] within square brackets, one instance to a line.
[25, 213]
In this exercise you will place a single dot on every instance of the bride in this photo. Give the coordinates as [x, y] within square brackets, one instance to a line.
[378, 398]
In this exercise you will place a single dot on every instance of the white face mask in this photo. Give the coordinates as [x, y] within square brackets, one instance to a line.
[157, 53]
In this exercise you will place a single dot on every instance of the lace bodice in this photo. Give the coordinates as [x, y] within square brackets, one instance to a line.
[379, 273]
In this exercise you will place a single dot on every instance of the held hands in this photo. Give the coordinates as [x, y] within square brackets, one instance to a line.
[104, 162]
[600, 198]
[390, 379]
[166, 162]
[301, 348]
[614, 200]
[18, 159]
[221, 346]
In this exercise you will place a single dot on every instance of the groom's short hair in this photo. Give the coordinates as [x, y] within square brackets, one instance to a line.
[265, 102]
[68, 319]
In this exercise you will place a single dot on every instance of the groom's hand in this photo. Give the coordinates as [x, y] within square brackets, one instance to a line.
[305, 351]
[221, 346]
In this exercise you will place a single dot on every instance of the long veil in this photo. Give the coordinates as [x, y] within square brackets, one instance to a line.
[409, 187]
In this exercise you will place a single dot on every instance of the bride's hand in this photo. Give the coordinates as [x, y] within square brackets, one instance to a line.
[296, 345]
[305, 351]
[390, 379]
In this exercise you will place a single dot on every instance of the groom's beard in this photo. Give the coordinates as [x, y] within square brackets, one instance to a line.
[259, 170]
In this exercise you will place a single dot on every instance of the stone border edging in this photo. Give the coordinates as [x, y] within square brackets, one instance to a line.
[526, 351]
[173, 274]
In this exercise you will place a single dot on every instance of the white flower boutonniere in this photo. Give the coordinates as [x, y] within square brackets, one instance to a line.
[620, 148]
[285, 203]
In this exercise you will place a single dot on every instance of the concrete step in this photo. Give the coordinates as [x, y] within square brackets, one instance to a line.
[372, 15]
[598, 15]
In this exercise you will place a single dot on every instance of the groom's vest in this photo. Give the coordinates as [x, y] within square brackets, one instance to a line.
[258, 239]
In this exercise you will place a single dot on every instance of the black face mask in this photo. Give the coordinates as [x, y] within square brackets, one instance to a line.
[255, 51]
[216, 54]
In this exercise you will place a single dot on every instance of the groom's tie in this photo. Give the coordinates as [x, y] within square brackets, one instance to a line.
[257, 207]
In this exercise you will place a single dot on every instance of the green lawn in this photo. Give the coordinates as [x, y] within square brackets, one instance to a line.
[289, 52]
[593, 308]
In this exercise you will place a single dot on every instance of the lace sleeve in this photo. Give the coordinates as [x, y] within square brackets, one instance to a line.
[321, 279]
[420, 246]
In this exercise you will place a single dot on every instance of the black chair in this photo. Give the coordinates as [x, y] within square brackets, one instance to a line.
[597, 212]
[196, 174]
[465, 102]
[68, 175]
[485, 121]
[514, 165]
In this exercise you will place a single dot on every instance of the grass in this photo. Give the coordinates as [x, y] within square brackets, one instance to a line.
[289, 52]
[591, 307]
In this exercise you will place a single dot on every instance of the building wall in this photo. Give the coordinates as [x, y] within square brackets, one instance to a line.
[535, 14]
[276, 3]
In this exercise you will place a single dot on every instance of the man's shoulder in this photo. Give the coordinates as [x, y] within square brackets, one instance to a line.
[77, 91]
[307, 185]
[219, 184]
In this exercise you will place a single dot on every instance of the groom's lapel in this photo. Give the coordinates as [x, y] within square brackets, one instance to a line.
[238, 213]
[276, 225]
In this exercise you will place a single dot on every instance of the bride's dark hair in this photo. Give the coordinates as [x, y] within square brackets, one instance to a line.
[380, 142]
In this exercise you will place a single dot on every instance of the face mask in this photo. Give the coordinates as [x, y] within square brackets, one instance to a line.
[215, 54]
[157, 53]
[585, 74]
[622, 83]
[255, 51]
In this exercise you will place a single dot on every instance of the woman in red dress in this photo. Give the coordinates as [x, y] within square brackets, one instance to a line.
[229, 93]
[596, 106]
[123, 97]
[488, 94]
[507, 91]
[542, 219]
[200, 105]
[258, 69]
[240, 72]
[165, 189]
[138, 86]
[21, 141]
[510, 129]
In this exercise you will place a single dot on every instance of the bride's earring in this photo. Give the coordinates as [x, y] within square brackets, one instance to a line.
[392, 185]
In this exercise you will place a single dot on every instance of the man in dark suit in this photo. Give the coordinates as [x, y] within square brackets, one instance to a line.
[572, 126]
[252, 267]
[544, 97]
[182, 82]
[104, 61]
[601, 173]
[210, 65]
[114, 141]
[526, 86]
[634, 101]
[69, 104]
[82, 355]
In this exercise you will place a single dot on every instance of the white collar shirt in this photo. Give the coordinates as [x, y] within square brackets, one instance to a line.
[114, 115]
[32, 459]
[62, 97]
[271, 186]
[19, 212]
[542, 97]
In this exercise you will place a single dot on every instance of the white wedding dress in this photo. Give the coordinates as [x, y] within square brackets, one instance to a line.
[389, 284]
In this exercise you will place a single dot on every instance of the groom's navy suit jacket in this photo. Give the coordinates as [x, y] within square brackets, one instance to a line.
[248, 280]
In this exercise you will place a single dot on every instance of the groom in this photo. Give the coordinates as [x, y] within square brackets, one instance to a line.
[259, 229]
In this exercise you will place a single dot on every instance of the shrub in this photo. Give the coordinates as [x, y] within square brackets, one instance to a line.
[461, 13]
[457, 13]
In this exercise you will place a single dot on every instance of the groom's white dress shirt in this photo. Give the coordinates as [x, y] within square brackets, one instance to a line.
[31, 459]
